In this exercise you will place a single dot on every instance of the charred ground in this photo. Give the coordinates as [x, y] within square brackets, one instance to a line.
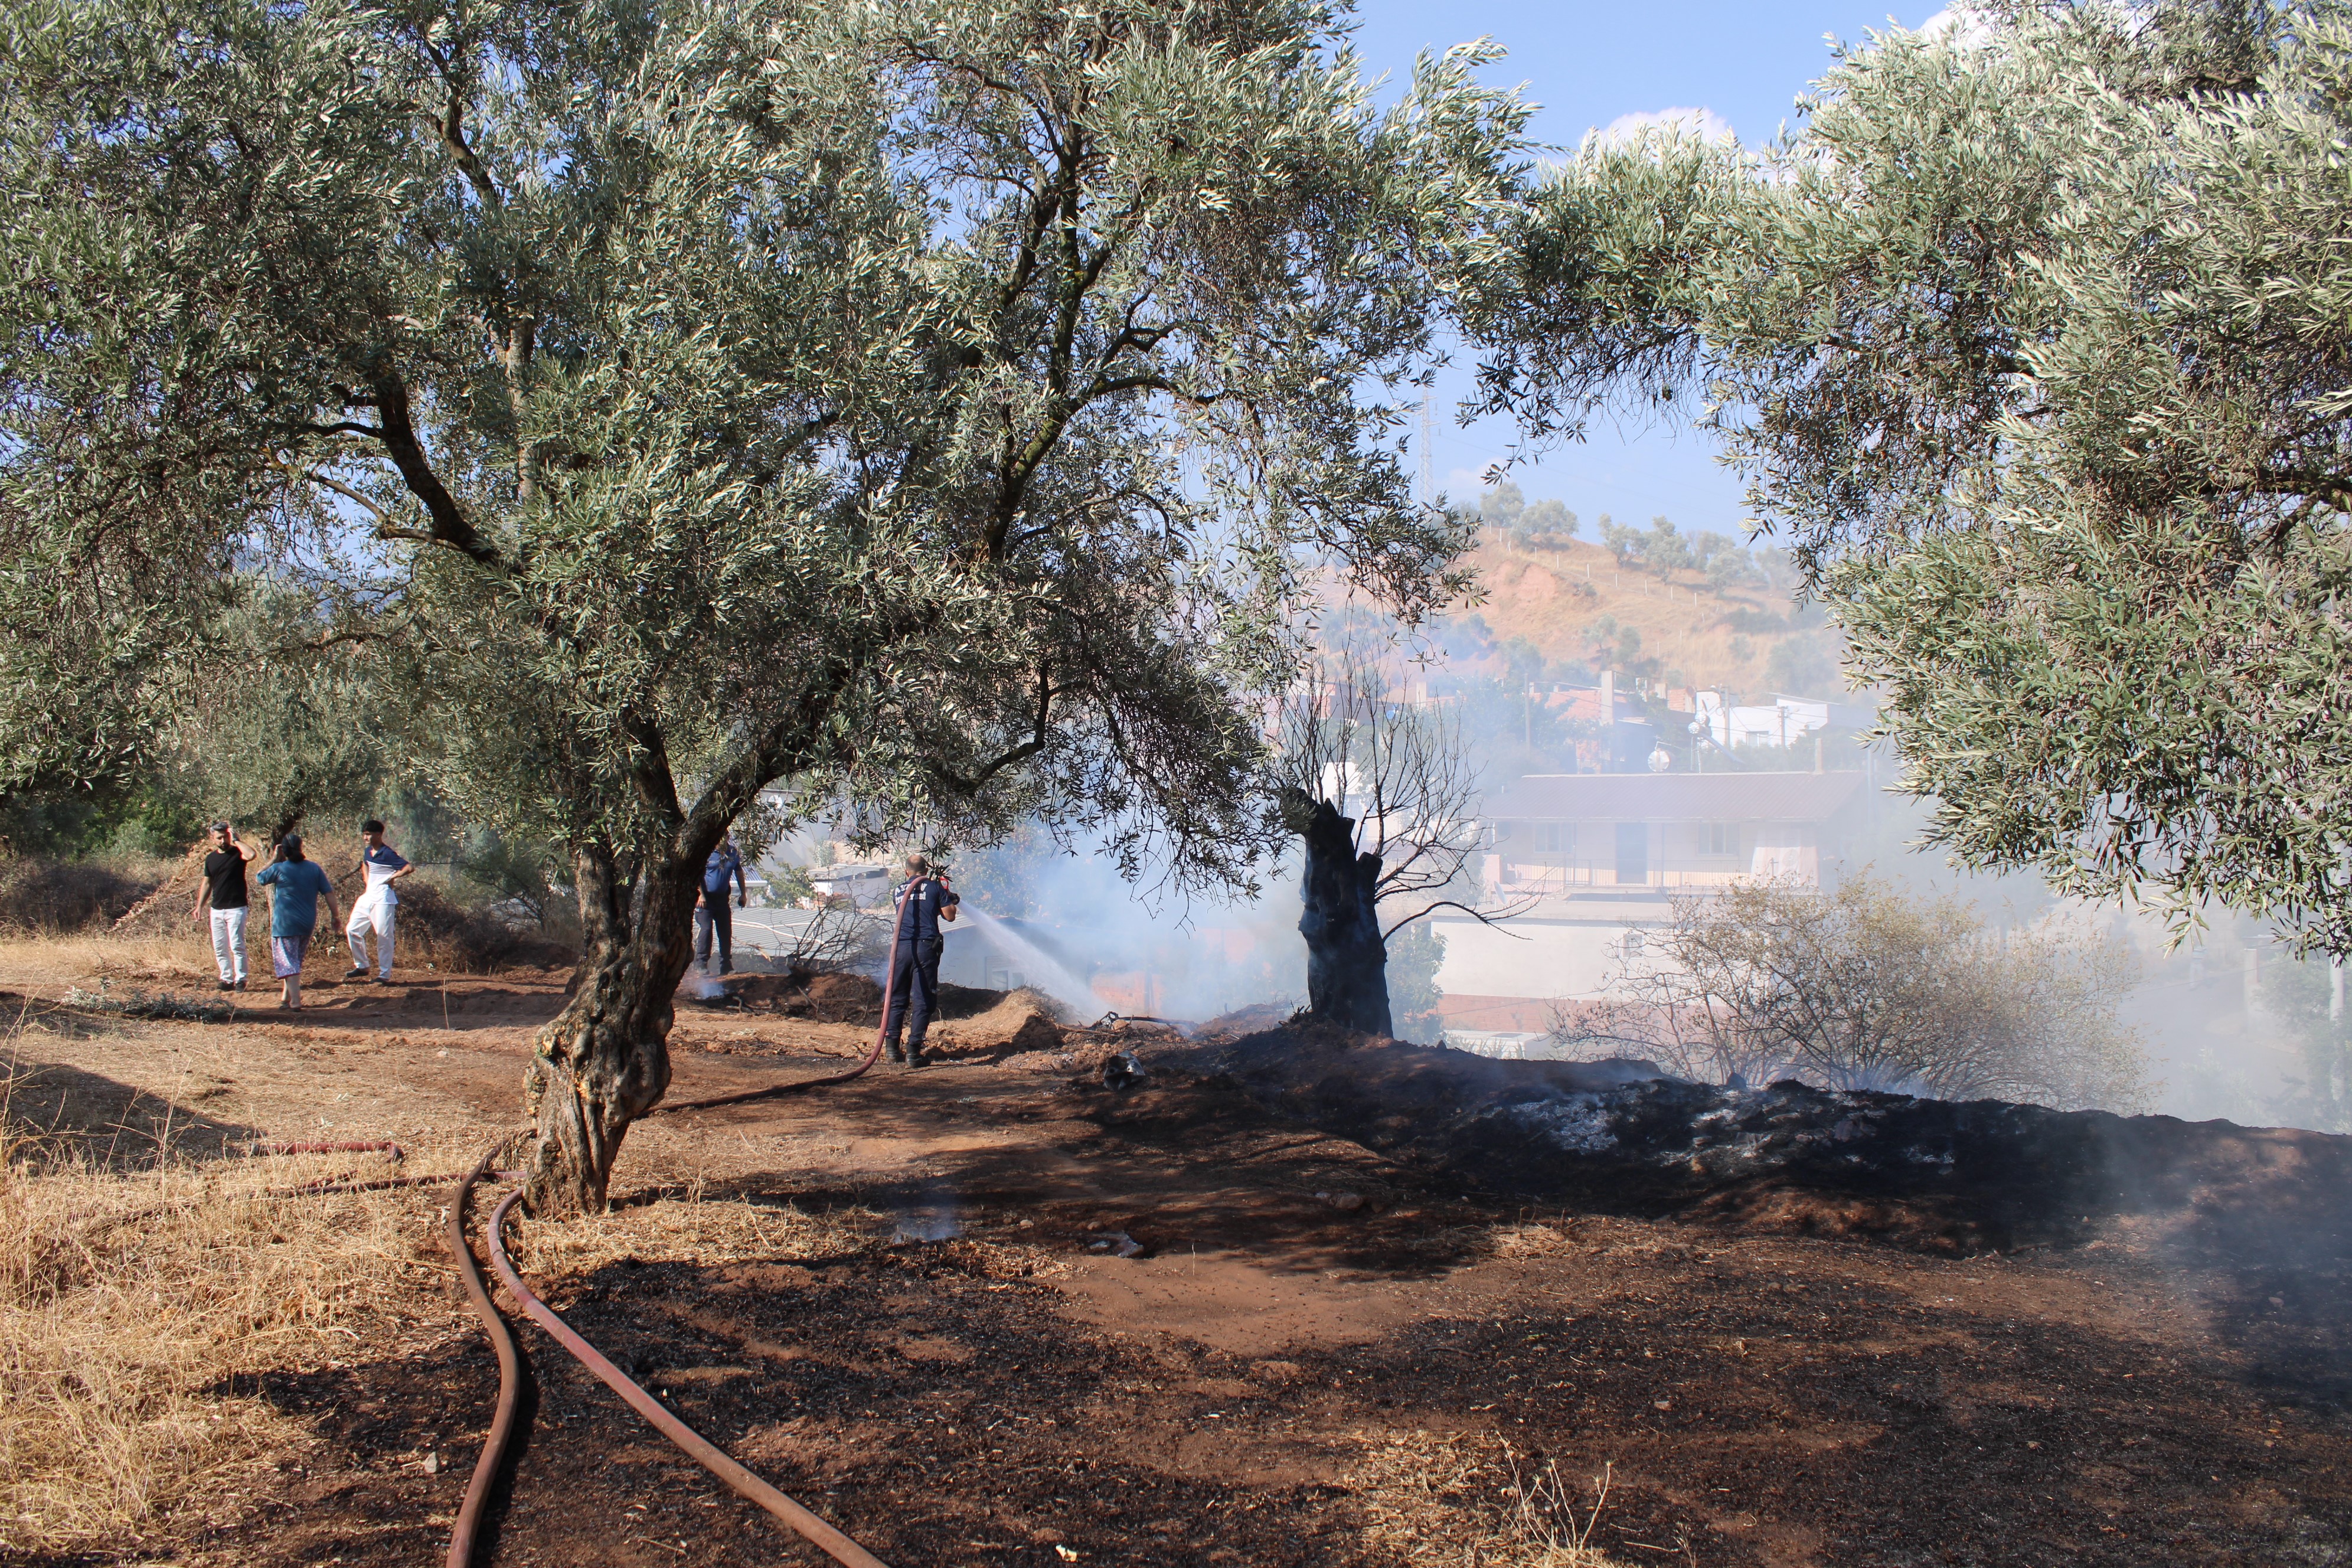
[1368, 1306]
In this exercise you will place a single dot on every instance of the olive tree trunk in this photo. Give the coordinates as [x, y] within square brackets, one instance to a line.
[1347, 962]
[603, 1060]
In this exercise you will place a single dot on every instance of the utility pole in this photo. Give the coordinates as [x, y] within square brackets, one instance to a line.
[1428, 462]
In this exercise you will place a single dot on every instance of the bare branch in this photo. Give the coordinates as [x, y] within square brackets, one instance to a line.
[1484, 917]
[348, 493]
[1018, 754]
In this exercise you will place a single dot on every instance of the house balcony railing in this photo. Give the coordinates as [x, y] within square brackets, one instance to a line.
[1551, 879]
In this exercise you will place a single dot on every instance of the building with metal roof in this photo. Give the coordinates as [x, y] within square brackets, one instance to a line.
[1560, 835]
[1595, 860]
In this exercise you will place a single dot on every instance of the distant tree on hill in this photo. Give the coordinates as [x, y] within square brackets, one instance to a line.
[1500, 507]
[1663, 550]
[1726, 560]
[1805, 665]
[1619, 648]
[1545, 525]
[1622, 540]
[1733, 568]
[1659, 548]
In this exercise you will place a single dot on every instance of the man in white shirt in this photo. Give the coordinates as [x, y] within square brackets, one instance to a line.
[374, 912]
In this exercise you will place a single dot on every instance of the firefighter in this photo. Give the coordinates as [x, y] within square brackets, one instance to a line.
[924, 900]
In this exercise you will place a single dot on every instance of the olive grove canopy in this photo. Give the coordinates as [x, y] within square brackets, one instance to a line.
[2037, 339]
[663, 391]
[940, 405]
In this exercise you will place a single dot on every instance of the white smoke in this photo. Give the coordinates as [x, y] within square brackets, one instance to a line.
[1068, 925]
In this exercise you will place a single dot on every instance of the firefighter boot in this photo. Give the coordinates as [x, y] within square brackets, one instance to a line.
[914, 1057]
[898, 1052]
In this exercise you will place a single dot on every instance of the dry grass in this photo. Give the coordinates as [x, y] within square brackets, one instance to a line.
[53, 962]
[688, 1225]
[128, 1302]
[1530, 1237]
[57, 912]
[1443, 1499]
[436, 930]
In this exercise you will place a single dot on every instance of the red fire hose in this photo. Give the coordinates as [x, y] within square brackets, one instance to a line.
[502, 1419]
[802, 1085]
[810, 1528]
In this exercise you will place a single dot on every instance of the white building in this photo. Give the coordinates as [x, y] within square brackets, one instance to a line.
[1597, 857]
[859, 886]
[1783, 721]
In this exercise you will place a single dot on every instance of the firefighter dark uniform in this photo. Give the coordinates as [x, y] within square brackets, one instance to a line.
[915, 976]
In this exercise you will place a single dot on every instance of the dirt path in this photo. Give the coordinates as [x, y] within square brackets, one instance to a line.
[1319, 1357]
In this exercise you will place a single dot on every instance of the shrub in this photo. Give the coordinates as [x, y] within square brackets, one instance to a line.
[39, 894]
[1415, 955]
[436, 930]
[1870, 987]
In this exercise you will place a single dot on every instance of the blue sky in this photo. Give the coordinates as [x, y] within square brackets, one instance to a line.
[1588, 65]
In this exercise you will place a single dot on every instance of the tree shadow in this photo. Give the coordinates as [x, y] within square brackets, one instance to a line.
[1191, 1168]
[55, 1115]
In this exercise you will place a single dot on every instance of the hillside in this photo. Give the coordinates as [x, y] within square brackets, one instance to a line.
[1573, 603]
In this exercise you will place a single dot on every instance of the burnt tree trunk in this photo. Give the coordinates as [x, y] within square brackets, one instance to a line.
[1347, 962]
[603, 1061]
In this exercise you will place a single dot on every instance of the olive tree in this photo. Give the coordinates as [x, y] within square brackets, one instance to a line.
[1350, 741]
[927, 407]
[2035, 338]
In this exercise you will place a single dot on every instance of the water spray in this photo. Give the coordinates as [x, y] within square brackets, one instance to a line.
[1039, 969]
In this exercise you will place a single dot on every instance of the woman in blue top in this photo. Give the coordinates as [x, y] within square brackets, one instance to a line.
[294, 884]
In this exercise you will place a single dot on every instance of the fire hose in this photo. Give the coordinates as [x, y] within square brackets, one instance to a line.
[802, 1085]
[463, 1537]
[812, 1529]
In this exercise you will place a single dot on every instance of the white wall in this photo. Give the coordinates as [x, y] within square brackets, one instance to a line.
[1543, 958]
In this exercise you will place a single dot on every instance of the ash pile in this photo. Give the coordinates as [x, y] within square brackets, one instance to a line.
[1621, 1136]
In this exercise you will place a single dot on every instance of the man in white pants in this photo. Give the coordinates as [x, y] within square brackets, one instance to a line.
[374, 910]
[225, 896]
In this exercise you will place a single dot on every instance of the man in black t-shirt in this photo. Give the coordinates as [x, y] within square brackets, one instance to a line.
[924, 901]
[224, 894]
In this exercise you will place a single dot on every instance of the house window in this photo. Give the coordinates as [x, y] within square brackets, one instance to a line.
[1723, 838]
[1556, 837]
